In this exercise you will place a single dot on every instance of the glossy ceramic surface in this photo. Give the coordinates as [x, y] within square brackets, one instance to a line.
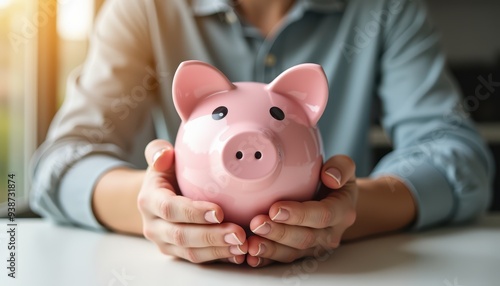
[246, 145]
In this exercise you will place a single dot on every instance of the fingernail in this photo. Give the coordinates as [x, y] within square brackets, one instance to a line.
[211, 217]
[282, 215]
[262, 249]
[259, 261]
[262, 229]
[234, 260]
[236, 250]
[335, 174]
[231, 238]
[157, 155]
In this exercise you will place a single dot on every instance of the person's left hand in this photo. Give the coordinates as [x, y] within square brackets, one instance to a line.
[293, 230]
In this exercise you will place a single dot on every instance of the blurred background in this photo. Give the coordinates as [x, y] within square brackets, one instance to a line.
[41, 41]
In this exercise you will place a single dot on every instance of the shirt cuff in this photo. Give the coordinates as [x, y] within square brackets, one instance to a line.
[77, 187]
[430, 189]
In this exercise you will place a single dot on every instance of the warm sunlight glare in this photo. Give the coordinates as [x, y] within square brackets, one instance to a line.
[74, 20]
[4, 3]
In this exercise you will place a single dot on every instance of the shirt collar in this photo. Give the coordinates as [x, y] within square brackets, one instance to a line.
[209, 7]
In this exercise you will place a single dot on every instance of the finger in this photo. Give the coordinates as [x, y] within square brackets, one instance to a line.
[253, 259]
[297, 237]
[197, 235]
[159, 155]
[237, 259]
[180, 209]
[199, 255]
[337, 171]
[149, 202]
[256, 261]
[314, 214]
[338, 208]
[269, 250]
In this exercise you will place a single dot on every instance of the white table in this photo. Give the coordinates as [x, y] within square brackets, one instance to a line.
[56, 255]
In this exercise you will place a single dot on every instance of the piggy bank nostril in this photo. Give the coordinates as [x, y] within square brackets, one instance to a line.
[258, 155]
[239, 155]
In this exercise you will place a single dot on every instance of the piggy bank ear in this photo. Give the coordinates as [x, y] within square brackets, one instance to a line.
[194, 81]
[307, 85]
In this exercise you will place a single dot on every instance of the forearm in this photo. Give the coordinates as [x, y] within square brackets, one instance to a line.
[114, 201]
[384, 204]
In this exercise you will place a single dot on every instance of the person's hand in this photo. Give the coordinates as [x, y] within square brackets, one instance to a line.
[298, 229]
[178, 225]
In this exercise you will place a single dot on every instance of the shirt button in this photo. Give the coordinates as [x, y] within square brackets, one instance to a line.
[270, 60]
[231, 17]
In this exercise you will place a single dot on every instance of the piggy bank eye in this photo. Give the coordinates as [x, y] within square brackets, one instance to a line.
[219, 113]
[277, 113]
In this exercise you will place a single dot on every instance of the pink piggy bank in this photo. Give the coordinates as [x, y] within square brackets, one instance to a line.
[246, 145]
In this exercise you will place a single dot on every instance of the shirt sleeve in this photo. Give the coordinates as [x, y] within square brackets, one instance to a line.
[437, 150]
[107, 101]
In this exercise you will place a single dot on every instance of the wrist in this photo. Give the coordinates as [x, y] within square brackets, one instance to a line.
[385, 204]
[114, 201]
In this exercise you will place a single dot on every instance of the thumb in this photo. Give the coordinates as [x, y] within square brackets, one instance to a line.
[337, 171]
[159, 155]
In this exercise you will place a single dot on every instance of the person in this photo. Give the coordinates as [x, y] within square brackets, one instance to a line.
[439, 172]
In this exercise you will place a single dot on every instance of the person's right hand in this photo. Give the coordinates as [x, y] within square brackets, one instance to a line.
[178, 225]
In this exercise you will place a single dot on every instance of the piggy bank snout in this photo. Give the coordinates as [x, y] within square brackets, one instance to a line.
[251, 155]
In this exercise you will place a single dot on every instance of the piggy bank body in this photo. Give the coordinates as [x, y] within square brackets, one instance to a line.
[247, 145]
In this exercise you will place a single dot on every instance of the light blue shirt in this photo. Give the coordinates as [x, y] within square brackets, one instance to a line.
[368, 49]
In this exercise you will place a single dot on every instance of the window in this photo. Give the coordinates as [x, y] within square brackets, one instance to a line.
[74, 22]
[17, 77]
[40, 43]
